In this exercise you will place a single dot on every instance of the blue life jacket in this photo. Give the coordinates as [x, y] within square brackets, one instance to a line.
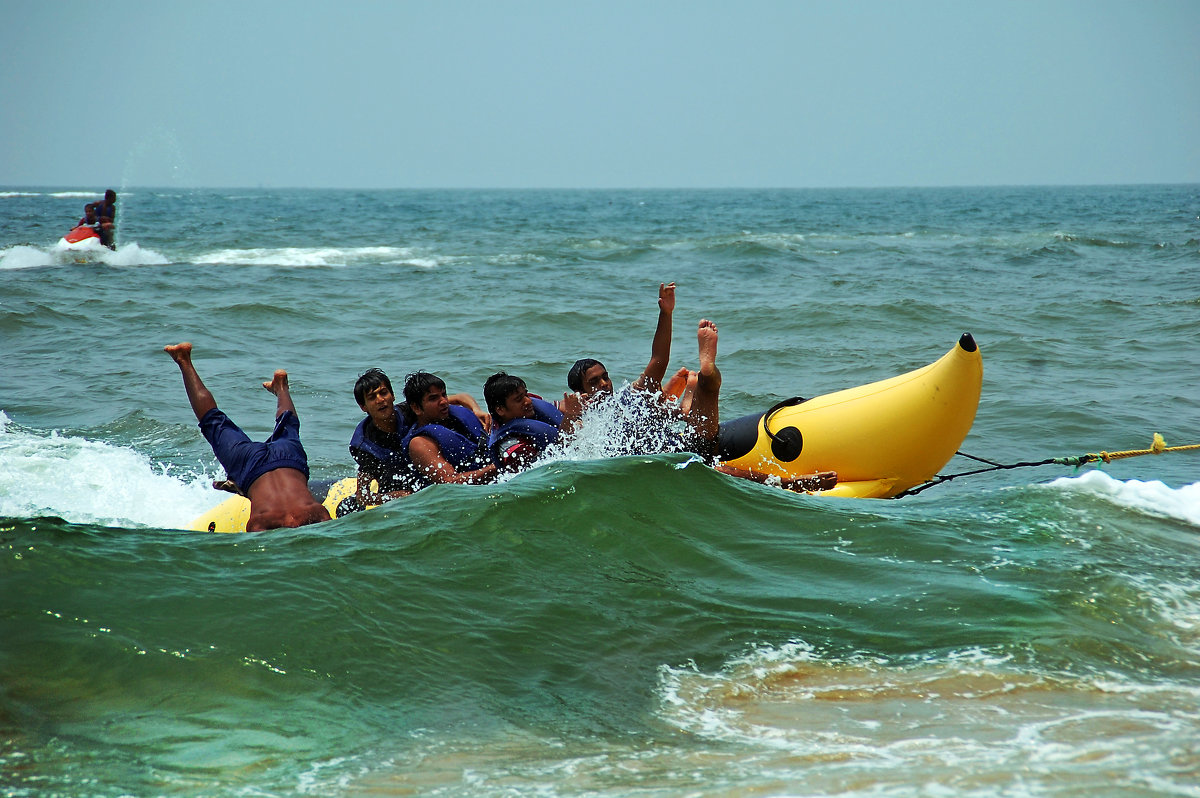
[461, 438]
[391, 467]
[541, 430]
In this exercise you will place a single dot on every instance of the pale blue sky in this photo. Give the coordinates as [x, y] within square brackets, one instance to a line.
[598, 94]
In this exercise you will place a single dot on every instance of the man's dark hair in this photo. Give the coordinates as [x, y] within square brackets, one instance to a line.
[417, 384]
[499, 387]
[575, 375]
[368, 381]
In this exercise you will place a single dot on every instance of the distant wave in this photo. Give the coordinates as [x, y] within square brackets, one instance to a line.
[319, 256]
[1093, 241]
[56, 194]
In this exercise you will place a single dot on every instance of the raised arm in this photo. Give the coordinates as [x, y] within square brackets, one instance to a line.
[468, 401]
[660, 349]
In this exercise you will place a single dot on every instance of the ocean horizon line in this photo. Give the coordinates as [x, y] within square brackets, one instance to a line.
[261, 187]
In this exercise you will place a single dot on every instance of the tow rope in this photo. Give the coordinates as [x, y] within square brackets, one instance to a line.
[1157, 446]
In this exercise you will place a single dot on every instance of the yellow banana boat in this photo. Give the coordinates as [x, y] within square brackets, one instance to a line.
[881, 439]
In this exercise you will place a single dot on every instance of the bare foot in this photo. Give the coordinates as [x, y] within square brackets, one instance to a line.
[674, 386]
[227, 486]
[278, 383]
[180, 353]
[706, 336]
[685, 401]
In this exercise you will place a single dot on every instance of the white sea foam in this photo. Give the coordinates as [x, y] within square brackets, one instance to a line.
[59, 254]
[23, 257]
[91, 482]
[866, 721]
[1177, 606]
[516, 259]
[76, 194]
[312, 256]
[1152, 497]
[420, 263]
[131, 254]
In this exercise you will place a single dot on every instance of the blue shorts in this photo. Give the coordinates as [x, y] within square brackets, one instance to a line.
[245, 460]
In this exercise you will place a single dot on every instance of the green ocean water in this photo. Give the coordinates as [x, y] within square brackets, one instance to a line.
[619, 626]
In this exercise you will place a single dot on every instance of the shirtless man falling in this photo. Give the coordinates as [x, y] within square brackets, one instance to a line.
[274, 474]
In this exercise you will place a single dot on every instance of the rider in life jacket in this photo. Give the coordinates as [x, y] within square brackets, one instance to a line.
[377, 445]
[89, 216]
[447, 443]
[646, 418]
[105, 215]
[697, 406]
[523, 424]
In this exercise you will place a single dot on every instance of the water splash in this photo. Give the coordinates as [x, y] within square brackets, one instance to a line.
[1153, 497]
[86, 481]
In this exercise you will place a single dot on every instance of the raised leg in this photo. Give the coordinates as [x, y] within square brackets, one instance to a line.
[703, 415]
[198, 395]
[689, 393]
[279, 386]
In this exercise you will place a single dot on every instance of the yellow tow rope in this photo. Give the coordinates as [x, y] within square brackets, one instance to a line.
[1158, 446]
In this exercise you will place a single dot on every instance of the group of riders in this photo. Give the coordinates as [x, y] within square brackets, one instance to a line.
[434, 437]
[101, 216]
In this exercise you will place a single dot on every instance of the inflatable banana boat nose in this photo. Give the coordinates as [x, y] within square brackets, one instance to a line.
[882, 438]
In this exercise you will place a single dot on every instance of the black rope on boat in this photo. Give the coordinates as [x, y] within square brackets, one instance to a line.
[1158, 446]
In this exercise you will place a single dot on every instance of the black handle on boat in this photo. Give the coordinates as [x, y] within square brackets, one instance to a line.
[787, 443]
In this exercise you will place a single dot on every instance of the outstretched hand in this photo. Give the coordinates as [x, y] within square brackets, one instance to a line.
[666, 297]
[571, 406]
